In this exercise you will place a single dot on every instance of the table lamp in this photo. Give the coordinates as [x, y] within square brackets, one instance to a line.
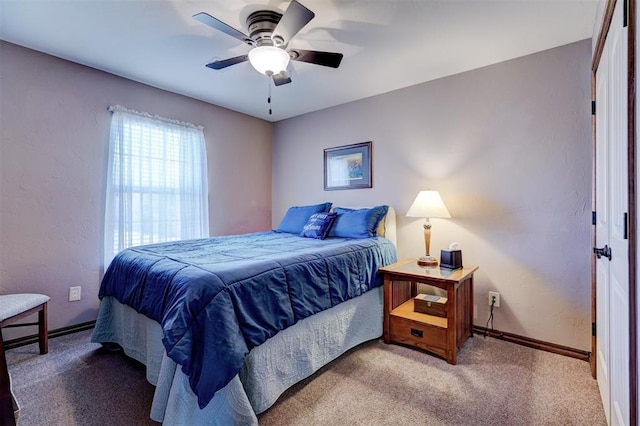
[428, 204]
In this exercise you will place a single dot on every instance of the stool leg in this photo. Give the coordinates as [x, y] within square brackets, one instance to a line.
[43, 338]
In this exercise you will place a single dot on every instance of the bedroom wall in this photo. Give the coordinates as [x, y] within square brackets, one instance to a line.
[509, 148]
[54, 130]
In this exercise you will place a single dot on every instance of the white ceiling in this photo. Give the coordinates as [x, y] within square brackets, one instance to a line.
[387, 44]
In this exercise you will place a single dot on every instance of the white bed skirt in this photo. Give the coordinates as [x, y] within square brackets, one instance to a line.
[283, 360]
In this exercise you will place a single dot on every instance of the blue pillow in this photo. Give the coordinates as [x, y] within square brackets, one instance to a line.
[318, 225]
[361, 223]
[298, 216]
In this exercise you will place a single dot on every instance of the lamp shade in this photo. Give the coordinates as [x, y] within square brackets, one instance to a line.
[428, 204]
[269, 59]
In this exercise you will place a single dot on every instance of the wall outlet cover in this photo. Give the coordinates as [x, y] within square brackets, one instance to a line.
[75, 293]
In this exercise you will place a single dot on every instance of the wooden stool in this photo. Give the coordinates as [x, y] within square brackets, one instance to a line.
[17, 306]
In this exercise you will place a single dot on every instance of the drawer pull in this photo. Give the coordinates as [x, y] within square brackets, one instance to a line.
[416, 332]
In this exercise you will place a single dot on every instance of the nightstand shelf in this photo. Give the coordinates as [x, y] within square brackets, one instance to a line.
[406, 311]
[442, 336]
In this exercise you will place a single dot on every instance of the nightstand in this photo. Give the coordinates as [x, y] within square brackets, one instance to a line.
[442, 336]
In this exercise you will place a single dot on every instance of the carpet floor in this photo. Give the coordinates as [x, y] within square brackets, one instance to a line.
[494, 383]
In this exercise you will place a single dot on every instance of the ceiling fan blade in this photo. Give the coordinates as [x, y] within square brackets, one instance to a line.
[327, 59]
[218, 65]
[295, 17]
[281, 78]
[209, 20]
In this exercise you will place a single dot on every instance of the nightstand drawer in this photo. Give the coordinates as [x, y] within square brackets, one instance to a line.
[414, 333]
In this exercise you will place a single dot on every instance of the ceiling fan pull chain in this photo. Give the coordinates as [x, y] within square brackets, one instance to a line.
[269, 98]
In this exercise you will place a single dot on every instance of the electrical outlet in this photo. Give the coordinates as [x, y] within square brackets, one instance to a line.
[75, 293]
[493, 294]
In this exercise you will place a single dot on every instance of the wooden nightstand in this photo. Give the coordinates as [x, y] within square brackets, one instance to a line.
[443, 336]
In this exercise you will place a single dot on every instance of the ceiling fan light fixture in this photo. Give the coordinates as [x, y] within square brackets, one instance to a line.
[269, 59]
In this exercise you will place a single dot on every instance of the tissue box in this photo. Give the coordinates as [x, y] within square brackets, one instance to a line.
[451, 259]
[430, 304]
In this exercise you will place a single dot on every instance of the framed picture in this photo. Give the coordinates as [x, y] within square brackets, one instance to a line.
[347, 167]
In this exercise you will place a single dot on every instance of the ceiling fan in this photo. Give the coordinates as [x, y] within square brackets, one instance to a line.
[269, 36]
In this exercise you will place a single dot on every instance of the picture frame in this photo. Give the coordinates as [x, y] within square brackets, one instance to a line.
[348, 167]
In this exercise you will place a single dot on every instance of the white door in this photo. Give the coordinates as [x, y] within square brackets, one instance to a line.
[612, 273]
[602, 228]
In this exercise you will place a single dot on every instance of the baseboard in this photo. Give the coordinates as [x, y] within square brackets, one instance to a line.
[27, 340]
[496, 334]
[534, 343]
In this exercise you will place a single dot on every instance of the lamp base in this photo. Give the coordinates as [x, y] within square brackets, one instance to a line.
[427, 261]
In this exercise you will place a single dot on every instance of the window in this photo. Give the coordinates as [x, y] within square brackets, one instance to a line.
[156, 182]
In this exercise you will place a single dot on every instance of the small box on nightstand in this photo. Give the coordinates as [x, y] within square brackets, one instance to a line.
[430, 304]
[451, 259]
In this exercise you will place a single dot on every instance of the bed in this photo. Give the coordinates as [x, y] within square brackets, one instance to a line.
[222, 356]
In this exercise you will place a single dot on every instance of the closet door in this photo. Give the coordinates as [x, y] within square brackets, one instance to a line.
[612, 267]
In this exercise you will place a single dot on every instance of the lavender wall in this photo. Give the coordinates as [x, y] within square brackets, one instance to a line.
[54, 129]
[509, 148]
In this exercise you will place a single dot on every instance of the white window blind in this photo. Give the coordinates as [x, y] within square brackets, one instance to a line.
[156, 182]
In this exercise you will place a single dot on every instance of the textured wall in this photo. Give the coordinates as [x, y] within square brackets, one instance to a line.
[54, 130]
[509, 148]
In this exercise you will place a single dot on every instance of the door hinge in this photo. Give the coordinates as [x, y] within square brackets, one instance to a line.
[625, 7]
[593, 329]
[593, 218]
[625, 226]
[593, 107]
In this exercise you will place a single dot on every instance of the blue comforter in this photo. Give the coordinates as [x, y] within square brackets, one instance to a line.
[216, 298]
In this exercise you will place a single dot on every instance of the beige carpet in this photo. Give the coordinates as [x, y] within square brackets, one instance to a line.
[494, 383]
